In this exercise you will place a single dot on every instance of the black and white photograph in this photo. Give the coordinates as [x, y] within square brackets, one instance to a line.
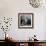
[25, 20]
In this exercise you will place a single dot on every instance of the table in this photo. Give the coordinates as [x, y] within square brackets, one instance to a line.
[27, 42]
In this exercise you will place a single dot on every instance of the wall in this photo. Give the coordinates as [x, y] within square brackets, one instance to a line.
[45, 29]
[11, 8]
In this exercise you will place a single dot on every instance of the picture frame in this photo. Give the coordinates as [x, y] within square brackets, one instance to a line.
[25, 20]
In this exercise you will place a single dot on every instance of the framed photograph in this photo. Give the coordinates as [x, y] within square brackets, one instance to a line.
[25, 20]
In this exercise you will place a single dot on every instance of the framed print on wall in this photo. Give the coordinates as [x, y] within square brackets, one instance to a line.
[25, 20]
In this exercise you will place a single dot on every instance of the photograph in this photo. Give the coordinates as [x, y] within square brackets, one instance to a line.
[25, 20]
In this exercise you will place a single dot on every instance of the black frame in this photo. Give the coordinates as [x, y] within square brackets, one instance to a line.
[20, 14]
